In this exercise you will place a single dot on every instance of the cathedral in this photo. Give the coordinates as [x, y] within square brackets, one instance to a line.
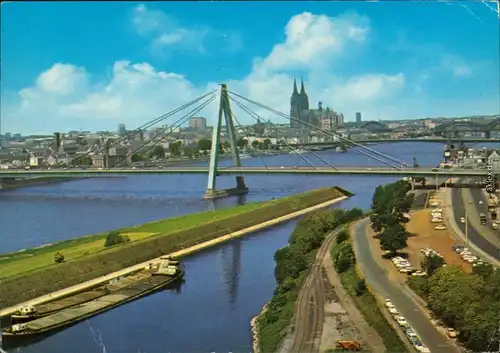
[300, 112]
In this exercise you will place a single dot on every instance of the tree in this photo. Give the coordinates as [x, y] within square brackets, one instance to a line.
[188, 151]
[58, 257]
[204, 144]
[226, 145]
[242, 143]
[484, 270]
[255, 144]
[430, 264]
[158, 152]
[137, 157]
[175, 148]
[360, 287]
[115, 238]
[85, 160]
[343, 257]
[266, 144]
[393, 238]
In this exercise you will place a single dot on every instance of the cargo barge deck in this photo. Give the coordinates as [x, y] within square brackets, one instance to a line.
[156, 280]
[42, 310]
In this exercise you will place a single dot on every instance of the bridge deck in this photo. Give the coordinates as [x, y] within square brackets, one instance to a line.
[248, 170]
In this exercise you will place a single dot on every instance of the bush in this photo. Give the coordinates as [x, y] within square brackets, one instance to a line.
[343, 257]
[342, 236]
[115, 238]
[58, 257]
[360, 287]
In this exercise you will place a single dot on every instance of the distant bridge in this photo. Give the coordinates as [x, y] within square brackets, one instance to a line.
[433, 139]
[245, 170]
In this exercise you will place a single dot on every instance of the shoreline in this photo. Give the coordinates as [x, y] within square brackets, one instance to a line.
[254, 326]
[178, 254]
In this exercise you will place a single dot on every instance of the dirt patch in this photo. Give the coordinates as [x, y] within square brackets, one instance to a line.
[425, 236]
[337, 323]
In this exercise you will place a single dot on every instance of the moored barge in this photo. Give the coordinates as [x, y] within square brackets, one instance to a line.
[161, 274]
[29, 313]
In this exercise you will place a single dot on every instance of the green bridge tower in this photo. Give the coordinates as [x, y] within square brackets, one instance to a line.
[224, 111]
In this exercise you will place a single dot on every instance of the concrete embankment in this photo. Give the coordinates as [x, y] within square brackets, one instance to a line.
[184, 252]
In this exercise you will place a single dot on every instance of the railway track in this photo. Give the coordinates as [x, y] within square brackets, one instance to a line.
[309, 309]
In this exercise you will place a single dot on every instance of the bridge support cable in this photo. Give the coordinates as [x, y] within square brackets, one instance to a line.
[251, 113]
[256, 117]
[233, 116]
[163, 132]
[289, 118]
[146, 125]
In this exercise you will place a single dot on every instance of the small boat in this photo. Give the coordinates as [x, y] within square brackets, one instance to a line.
[245, 156]
[166, 271]
[298, 151]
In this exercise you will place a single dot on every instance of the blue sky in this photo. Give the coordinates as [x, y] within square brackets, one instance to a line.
[90, 66]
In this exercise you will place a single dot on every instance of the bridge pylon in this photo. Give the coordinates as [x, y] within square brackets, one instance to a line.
[226, 114]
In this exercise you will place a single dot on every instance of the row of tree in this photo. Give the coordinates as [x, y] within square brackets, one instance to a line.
[292, 263]
[390, 206]
[468, 302]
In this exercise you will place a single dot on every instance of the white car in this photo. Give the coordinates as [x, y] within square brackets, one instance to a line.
[388, 303]
[440, 227]
[480, 202]
[462, 219]
[434, 204]
[401, 320]
[393, 311]
[436, 220]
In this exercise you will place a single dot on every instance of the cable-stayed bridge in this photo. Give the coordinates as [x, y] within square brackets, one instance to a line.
[383, 163]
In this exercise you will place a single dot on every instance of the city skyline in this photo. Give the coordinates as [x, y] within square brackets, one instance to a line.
[137, 61]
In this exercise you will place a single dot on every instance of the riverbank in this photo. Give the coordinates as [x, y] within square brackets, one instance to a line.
[254, 326]
[25, 182]
[32, 273]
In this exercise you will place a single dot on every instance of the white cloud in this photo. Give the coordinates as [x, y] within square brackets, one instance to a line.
[137, 92]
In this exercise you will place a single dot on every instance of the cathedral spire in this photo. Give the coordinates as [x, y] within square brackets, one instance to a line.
[302, 88]
[295, 91]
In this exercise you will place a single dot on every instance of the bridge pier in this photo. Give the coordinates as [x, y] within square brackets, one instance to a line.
[241, 188]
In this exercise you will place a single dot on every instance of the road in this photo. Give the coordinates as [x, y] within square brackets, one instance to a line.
[379, 281]
[424, 171]
[481, 236]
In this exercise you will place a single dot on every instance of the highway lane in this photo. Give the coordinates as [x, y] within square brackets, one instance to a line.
[378, 280]
[474, 229]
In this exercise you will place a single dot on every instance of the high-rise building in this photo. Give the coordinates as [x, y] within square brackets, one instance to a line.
[57, 141]
[122, 130]
[358, 119]
[198, 123]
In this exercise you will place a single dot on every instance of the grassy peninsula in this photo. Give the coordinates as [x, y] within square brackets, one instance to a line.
[33, 272]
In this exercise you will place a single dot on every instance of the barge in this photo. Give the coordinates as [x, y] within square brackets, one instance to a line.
[161, 274]
[29, 313]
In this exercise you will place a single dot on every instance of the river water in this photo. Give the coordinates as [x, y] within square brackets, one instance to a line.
[225, 286]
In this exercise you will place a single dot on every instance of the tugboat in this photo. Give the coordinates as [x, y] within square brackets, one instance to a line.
[160, 274]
